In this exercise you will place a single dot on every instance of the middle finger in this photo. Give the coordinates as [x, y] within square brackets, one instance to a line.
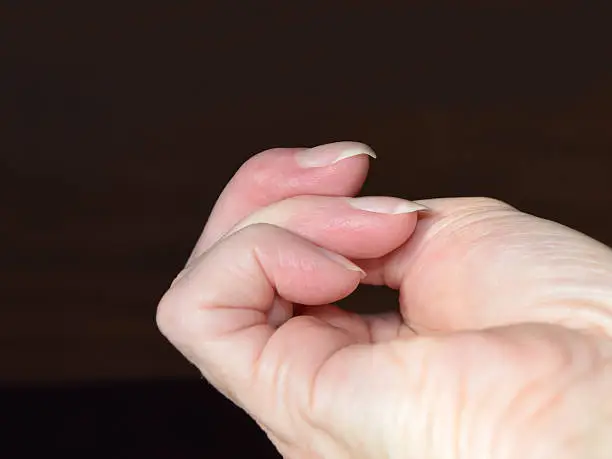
[337, 169]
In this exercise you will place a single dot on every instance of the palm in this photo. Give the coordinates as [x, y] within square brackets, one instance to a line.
[475, 321]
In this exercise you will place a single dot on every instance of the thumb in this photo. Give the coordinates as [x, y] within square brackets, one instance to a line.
[478, 262]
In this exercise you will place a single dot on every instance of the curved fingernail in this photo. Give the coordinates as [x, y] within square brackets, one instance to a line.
[344, 262]
[280, 312]
[326, 155]
[386, 205]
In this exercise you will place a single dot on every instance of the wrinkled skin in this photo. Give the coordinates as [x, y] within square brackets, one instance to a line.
[500, 347]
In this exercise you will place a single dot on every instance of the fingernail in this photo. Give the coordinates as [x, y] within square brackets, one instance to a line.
[326, 155]
[386, 205]
[280, 312]
[344, 262]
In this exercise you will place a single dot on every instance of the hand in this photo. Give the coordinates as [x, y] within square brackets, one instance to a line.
[501, 347]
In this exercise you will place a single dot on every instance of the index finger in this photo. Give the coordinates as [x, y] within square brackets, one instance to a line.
[336, 169]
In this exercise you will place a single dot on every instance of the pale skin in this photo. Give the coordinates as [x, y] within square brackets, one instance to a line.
[501, 346]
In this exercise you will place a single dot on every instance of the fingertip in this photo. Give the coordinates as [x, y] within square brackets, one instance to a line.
[308, 274]
[352, 230]
[343, 261]
[276, 174]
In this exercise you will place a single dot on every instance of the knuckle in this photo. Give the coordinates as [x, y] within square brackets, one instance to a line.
[259, 170]
[168, 315]
[165, 316]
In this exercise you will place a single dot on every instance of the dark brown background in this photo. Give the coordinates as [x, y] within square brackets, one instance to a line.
[120, 125]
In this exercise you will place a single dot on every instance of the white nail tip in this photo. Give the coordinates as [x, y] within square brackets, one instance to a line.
[345, 262]
[326, 155]
[408, 207]
[385, 205]
[364, 150]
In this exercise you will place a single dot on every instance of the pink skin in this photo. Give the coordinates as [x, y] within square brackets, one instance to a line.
[275, 175]
[333, 223]
[482, 247]
[492, 372]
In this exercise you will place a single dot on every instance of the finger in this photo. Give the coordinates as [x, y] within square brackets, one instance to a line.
[365, 226]
[476, 262]
[216, 313]
[342, 224]
[337, 169]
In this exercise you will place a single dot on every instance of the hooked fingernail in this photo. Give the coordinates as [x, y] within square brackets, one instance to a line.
[386, 205]
[326, 155]
[343, 261]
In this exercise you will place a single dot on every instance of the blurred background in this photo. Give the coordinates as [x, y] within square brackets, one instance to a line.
[121, 122]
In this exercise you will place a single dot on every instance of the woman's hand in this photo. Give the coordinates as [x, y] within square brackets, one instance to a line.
[501, 346]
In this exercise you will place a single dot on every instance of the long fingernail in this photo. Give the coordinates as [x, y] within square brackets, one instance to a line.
[386, 205]
[344, 262]
[326, 155]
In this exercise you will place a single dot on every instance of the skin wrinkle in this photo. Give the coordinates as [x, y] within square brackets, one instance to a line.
[281, 388]
[256, 369]
[478, 340]
[492, 224]
[253, 322]
[460, 415]
[533, 387]
[417, 378]
[555, 399]
[369, 331]
[548, 245]
[429, 420]
[542, 385]
[349, 323]
[288, 259]
[311, 402]
[460, 408]
[393, 382]
[591, 267]
[399, 328]
[311, 405]
[353, 223]
[484, 406]
[571, 307]
[270, 383]
[455, 224]
[481, 407]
